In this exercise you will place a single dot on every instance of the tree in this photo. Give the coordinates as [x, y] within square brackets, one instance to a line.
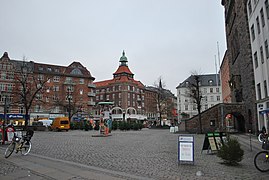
[70, 102]
[163, 100]
[28, 86]
[196, 95]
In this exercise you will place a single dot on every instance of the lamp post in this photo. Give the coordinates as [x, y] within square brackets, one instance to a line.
[5, 117]
[69, 104]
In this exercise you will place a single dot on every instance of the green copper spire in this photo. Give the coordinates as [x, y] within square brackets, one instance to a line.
[123, 59]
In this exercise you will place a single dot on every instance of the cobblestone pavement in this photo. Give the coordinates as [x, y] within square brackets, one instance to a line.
[146, 153]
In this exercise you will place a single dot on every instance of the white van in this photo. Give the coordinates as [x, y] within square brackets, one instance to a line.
[46, 122]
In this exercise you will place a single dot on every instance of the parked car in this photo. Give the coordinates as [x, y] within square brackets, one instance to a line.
[46, 122]
[60, 123]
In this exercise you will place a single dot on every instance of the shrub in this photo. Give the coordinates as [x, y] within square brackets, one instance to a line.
[135, 126]
[96, 127]
[114, 125]
[231, 152]
[86, 126]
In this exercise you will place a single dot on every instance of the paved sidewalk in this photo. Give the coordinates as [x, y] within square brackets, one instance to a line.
[40, 167]
[146, 154]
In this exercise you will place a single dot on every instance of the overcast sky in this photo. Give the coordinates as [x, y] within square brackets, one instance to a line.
[167, 38]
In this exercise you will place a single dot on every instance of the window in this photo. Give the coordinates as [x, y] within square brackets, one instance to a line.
[217, 89]
[249, 7]
[205, 90]
[97, 98]
[186, 107]
[56, 79]
[40, 77]
[47, 99]
[55, 88]
[267, 8]
[194, 107]
[258, 25]
[262, 17]
[206, 106]
[212, 123]
[266, 49]
[128, 103]
[81, 91]
[119, 95]
[211, 98]
[101, 97]
[39, 96]
[55, 98]
[218, 98]
[261, 53]
[252, 32]
[107, 97]
[265, 89]
[255, 60]
[49, 69]
[211, 90]
[113, 96]
[40, 68]
[81, 81]
[68, 80]
[205, 98]
[259, 91]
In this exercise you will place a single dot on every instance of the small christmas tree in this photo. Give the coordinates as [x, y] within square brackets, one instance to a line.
[231, 152]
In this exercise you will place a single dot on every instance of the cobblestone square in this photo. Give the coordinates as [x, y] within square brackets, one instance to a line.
[149, 153]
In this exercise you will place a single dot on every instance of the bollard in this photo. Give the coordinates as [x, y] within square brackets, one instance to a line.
[250, 144]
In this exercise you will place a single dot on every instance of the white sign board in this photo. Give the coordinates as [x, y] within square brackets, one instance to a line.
[186, 148]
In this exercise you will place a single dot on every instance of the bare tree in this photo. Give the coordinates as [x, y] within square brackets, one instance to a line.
[163, 100]
[27, 87]
[71, 102]
[196, 95]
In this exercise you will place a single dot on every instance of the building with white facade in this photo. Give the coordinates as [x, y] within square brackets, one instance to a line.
[258, 20]
[210, 92]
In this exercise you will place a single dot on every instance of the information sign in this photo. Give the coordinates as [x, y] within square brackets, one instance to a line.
[186, 148]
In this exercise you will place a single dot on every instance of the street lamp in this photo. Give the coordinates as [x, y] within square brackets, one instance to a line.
[69, 103]
[5, 116]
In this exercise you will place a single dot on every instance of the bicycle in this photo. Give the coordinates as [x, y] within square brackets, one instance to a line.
[262, 136]
[22, 144]
[261, 160]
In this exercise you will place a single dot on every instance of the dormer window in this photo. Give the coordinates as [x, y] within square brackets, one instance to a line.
[76, 71]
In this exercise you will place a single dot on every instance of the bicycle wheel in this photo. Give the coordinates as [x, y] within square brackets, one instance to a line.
[261, 161]
[9, 149]
[26, 147]
[261, 137]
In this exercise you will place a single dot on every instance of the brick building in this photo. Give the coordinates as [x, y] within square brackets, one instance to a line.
[240, 61]
[225, 79]
[66, 89]
[127, 94]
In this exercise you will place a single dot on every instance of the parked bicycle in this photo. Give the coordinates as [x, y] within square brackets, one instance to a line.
[20, 144]
[261, 160]
[262, 135]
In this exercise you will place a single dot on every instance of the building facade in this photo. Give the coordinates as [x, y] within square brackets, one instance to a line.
[65, 90]
[225, 80]
[258, 21]
[127, 94]
[210, 92]
[240, 60]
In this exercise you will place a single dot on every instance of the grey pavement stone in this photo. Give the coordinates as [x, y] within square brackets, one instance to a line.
[147, 153]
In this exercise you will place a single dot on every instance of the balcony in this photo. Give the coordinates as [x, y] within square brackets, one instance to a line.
[69, 82]
[91, 94]
[90, 85]
[91, 103]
